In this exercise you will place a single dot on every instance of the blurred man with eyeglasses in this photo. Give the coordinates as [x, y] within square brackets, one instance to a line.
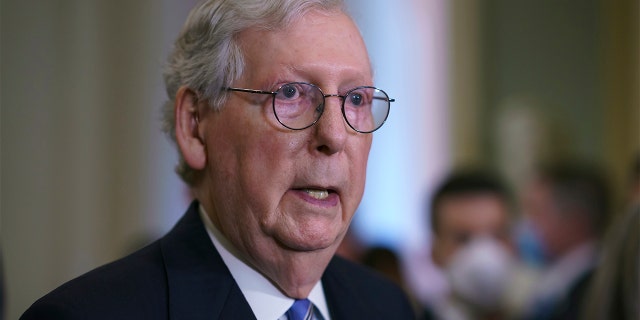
[272, 106]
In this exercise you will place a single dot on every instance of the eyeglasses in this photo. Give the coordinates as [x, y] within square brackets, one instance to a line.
[299, 105]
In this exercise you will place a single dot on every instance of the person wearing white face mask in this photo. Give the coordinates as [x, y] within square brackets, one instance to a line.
[479, 271]
[470, 224]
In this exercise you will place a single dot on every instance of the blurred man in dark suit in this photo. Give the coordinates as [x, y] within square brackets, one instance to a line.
[567, 204]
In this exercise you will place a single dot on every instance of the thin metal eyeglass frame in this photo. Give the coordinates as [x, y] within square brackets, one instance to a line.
[324, 96]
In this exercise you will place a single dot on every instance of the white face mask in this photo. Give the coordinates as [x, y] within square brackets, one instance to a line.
[479, 273]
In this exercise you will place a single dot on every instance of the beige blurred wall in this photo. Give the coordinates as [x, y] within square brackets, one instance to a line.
[86, 172]
[544, 80]
[621, 68]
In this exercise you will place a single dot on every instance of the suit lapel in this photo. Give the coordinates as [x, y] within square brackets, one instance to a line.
[200, 285]
[343, 300]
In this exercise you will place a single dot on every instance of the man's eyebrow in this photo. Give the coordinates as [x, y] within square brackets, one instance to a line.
[289, 74]
[346, 76]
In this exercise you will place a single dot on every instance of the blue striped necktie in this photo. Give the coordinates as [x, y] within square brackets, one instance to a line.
[300, 310]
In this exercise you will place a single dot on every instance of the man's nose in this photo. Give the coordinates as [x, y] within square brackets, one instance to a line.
[331, 130]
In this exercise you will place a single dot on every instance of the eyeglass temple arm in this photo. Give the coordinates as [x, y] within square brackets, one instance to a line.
[385, 99]
[249, 90]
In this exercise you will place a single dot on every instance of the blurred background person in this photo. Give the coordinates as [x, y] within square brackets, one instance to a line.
[380, 258]
[385, 261]
[614, 292]
[566, 206]
[634, 183]
[1, 289]
[351, 247]
[470, 221]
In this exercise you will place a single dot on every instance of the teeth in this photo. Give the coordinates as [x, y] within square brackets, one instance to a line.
[318, 194]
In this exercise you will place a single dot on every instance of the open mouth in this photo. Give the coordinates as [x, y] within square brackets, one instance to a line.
[319, 194]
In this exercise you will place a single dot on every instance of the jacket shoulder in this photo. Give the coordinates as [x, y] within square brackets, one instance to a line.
[133, 287]
[369, 294]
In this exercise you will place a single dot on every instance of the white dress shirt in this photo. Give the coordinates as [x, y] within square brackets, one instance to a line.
[555, 282]
[265, 300]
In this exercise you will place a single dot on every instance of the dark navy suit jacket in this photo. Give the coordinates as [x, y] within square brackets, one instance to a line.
[182, 276]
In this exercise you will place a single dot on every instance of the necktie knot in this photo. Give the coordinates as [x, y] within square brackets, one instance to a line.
[300, 310]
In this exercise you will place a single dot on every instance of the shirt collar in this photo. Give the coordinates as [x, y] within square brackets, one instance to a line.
[559, 276]
[265, 300]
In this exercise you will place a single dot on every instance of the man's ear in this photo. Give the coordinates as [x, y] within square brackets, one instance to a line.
[189, 142]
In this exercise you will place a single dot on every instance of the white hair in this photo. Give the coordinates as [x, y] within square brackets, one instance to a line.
[206, 56]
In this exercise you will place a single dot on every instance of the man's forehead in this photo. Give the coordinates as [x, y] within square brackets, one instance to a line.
[304, 50]
[469, 208]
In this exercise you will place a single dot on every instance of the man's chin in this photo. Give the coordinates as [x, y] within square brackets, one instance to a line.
[309, 243]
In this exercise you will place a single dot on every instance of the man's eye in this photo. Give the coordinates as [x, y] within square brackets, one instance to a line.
[289, 91]
[356, 99]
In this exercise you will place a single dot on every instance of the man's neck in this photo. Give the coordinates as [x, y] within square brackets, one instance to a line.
[295, 273]
[266, 299]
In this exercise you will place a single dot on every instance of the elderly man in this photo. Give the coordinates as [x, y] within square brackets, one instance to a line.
[272, 108]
